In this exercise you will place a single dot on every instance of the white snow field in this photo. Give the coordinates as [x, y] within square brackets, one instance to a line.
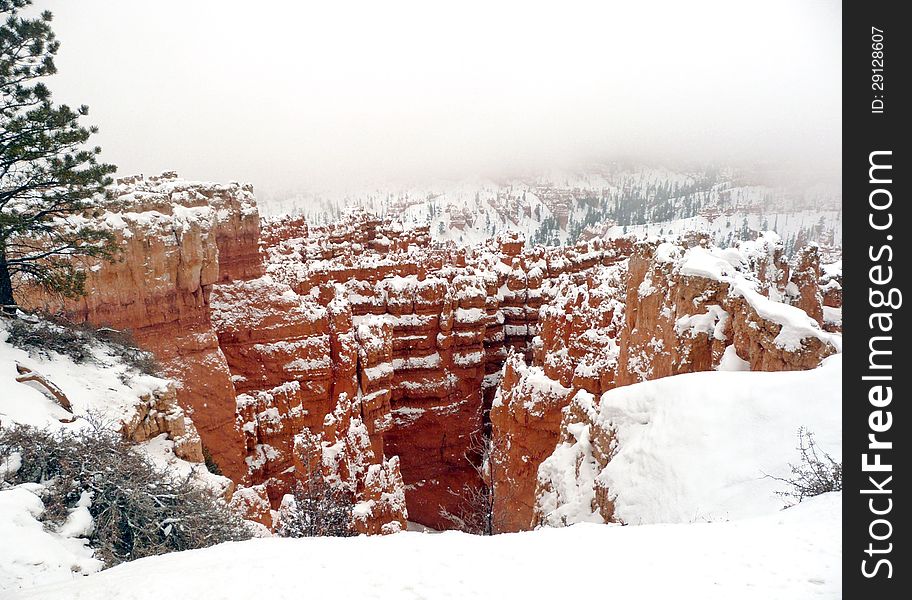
[790, 554]
[697, 447]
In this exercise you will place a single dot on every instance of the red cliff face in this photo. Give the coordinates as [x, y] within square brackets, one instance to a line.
[276, 344]
[237, 231]
[433, 326]
[257, 363]
[159, 289]
[806, 279]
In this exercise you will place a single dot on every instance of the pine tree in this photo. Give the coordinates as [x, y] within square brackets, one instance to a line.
[51, 184]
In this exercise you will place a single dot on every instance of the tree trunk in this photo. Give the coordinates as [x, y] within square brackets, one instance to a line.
[7, 303]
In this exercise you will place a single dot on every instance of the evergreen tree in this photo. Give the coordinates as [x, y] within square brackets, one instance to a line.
[51, 184]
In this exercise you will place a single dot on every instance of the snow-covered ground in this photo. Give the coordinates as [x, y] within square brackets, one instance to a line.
[697, 447]
[726, 230]
[103, 386]
[792, 554]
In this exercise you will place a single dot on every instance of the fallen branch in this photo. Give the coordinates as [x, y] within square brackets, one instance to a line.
[27, 375]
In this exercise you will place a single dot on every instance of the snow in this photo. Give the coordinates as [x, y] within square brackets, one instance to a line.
[724, 266]
[431, 361]
[793, 554]
[832, 315]
[31, 555]
[695, 447]
[79, 522]
[80, 382]
[796, 324]
[701, 262]
[712, 323]
[730, 361]
[10, 465]
[470, 211]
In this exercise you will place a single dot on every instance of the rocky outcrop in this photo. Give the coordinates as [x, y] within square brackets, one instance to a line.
[806, 279]
[158, 413]
[577, 348]
[688, 309]
[342, 456]
[276, 345]
[237, 231]
[525, 420]
[159, 290]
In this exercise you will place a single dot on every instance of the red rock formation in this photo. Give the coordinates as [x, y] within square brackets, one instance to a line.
[526, 417]
[684, 307]
[159, 290]
[277, 348]
[806, 278]
[343, 456]
[365, 351]
[159, 413]
[674, 322]
[577, 348]
[258, 364]
[237, 231]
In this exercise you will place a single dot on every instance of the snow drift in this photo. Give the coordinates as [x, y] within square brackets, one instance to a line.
[688, 448]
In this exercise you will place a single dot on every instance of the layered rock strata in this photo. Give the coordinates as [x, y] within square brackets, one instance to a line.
[366, 353]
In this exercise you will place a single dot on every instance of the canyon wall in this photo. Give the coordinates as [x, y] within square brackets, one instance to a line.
[159, 290]
[415, 374]
[434, 325]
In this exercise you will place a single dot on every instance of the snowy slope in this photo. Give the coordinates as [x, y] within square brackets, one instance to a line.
[725, 230]
[695, 447]
[103, 386]
[30, 555]
[793, 554]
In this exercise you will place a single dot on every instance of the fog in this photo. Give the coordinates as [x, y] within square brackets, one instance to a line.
[296, 95]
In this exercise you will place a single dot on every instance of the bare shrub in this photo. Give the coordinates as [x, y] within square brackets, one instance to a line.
[42, 337]
[816, 474]
[210, 463]
[138, 509]
[317, 509]
[475, 512]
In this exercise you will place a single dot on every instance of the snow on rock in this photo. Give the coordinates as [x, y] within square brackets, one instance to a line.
[800, 545]
[700, 299]
[178, 238]
[688, 448]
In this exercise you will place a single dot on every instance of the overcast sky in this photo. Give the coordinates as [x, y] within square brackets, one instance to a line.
[297, 94]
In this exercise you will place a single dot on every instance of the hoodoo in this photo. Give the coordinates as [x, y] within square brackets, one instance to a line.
[418, 372]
